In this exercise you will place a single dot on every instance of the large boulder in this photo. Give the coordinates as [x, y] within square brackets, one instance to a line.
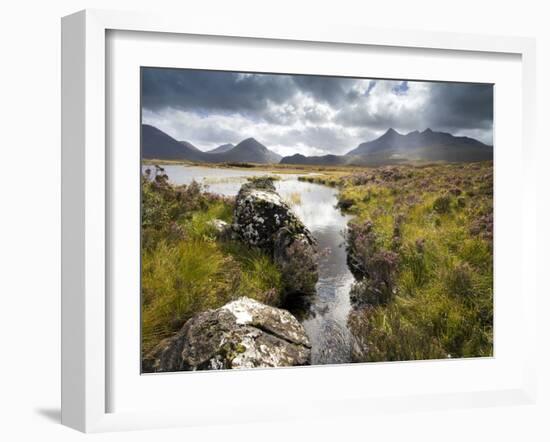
[242, 334]
[260, 213]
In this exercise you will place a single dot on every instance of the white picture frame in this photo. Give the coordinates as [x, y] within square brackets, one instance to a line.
[85, 203]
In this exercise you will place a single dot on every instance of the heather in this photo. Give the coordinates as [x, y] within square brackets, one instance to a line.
[420, 248]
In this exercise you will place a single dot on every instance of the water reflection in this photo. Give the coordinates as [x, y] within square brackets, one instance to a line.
[323, 316]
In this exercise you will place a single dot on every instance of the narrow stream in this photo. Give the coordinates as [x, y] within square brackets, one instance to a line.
[324, 317]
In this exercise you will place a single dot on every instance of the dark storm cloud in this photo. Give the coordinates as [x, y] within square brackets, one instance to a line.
[362, 116]
[307, 114]
[448, 106]
[228, 91]
[212, 90]
[335, 91]
[461, 106]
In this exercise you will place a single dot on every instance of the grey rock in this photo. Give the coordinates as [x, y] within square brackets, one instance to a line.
[260, 213]
[242, 334]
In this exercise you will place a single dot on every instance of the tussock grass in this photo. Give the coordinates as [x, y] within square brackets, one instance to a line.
[186, 277]
[186, 268]
[179, 280]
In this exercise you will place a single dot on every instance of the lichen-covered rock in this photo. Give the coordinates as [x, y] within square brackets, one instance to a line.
[260, 213]
[242, 334]
[296, 256]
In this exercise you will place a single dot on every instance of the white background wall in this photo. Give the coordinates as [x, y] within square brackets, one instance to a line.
[30, 215]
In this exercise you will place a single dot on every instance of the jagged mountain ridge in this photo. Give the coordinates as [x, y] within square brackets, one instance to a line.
[394, 148]
[396, 142]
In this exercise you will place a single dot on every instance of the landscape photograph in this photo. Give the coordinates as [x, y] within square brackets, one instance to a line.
[301, 220]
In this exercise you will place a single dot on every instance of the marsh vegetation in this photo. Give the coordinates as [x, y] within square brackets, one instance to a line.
[408, 272]
[420, 247]
[186, 267]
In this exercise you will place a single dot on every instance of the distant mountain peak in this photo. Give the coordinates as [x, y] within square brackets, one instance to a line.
[250, 140]
[252, 150]
[427, 145]
[251, 143]
[189, 145]
[390, 134]
[156, 144]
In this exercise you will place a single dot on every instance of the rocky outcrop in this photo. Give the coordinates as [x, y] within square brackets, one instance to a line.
[260, 213]
[264, 220]
[242, 334]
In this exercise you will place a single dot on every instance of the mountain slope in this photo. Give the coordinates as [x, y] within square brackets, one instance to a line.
[190, 146]
[389, 139]
[155, 144]
[324, 160]
[223, 148]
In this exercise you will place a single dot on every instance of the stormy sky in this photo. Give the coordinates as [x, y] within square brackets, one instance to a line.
[312, 115]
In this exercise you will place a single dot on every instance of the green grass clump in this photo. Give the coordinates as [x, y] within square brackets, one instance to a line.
[179, 280]
[186, 267]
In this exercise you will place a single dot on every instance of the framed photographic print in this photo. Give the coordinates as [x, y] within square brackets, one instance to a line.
[317, 222]
[322, 248]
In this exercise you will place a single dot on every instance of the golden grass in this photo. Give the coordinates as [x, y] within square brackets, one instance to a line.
[294, 199]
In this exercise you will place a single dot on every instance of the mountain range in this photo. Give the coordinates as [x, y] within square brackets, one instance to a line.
[155, 144]
[422, 146]
[390, 148]
[394, 148]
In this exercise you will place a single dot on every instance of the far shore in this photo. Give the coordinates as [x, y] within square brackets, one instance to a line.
[285, 168]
